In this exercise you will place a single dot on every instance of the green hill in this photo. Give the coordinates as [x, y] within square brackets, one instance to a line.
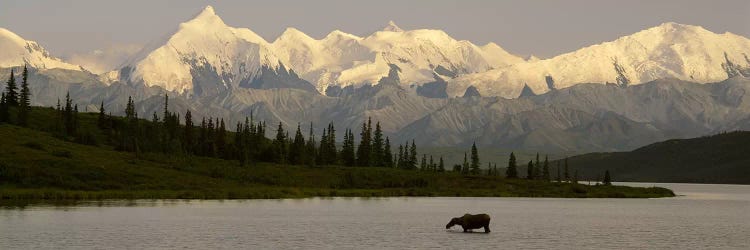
[36, 163]
[721, 158]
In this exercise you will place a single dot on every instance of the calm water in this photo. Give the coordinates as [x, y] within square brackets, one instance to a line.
[707, 216]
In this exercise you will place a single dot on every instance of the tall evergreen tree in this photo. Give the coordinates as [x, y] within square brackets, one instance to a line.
[4, 108]
[530, 170]
[310, 151]
[331, 150]
[423, 164]
[475, 170]
[24, 102]
[101, 121]
[69, 121]
[11, 91]
[221, 140]
[364, 150]
[413, 156]
[188, 133]
[465, 166]
[545, 170]
[297, 148]
[441, 165]
[559, 178]
[512, 170]
[607, 179]
[401, 163]
[432, 167]
[279, 145]
[347, 151]
[378, 159]
[323, 148]
[387, 157]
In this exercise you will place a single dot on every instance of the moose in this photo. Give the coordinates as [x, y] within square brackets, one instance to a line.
[469, 222]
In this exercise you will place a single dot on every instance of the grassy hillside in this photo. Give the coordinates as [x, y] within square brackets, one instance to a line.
[722, 158]
[35, 164]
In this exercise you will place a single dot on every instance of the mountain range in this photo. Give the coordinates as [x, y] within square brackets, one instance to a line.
[669, 81]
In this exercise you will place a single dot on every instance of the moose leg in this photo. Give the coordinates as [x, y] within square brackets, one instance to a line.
[487, 228]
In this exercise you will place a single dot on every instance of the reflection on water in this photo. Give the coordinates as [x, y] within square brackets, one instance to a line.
[703, 216]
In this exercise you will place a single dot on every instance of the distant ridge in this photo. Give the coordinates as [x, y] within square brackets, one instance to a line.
[720, 158]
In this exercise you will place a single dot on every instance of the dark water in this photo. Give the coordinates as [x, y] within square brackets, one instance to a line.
[707, 216]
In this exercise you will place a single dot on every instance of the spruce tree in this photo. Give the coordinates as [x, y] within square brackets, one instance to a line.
[441, 165]
[4, 108]
[465, 166]
[378, 159]
[322, 157]
[364, 150]
[310, 151]
[607, 179]
[188, 133]
[413, 156]
[221, 140]
[279, 145]
[101, 121]
[433, 166]
[347, 151]
[530, 170]
[24, 104]
[387, 154]
[297, 148]
[239, 145]
[475, 170]
[512, 170]
[401, 163]
[331, 151]
[11, 91]
[423, 164]
[559, 178]
[545, 170]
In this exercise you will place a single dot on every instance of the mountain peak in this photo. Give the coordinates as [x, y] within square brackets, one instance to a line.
[207, 11]
[672, 27]
[392, 27]
[293, 35]
[207, 15]
[340, 34]
[17, 51]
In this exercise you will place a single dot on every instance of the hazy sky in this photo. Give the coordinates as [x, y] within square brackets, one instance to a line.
[543, 28]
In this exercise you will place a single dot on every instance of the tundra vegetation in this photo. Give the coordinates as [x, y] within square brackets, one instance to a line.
[59, 153]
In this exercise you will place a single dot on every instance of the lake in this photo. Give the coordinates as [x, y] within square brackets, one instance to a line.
[703, 216]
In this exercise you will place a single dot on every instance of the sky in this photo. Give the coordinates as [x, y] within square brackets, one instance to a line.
[542, 28]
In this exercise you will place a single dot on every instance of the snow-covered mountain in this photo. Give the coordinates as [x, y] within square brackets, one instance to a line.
[235, 56]
[16, 51]
[342, 59]
[203, 56]
[670, 50]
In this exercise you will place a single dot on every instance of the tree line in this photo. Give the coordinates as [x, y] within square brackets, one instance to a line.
[248, 142]
[15, 104]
